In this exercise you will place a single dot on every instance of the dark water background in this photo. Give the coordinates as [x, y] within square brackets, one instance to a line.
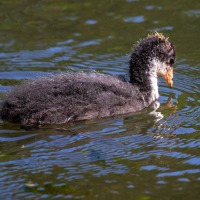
[140, 156]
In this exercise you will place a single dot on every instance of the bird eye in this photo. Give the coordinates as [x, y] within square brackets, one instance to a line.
[171, 62]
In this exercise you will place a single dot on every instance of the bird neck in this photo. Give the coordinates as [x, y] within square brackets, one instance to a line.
[143, 74]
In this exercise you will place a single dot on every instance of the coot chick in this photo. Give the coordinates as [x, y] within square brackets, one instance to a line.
[70, 97]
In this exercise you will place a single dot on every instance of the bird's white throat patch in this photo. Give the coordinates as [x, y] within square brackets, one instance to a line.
[154, 85]
[156, 69]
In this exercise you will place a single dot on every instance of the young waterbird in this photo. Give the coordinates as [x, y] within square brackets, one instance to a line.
[70, 97]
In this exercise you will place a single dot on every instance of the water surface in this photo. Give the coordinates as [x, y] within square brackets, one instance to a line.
[146, 155]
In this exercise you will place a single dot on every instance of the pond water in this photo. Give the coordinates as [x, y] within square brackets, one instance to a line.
[147, 155]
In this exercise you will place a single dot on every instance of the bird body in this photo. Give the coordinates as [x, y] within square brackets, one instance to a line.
[70, 97]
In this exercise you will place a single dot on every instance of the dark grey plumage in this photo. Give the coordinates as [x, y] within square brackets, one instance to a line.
[70, 97]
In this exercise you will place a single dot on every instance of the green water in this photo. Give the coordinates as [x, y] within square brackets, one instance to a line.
[143, 156]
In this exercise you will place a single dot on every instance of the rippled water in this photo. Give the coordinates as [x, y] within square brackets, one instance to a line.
[147, 155]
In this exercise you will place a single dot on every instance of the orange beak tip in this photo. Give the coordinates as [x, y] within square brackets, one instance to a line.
[169, 78]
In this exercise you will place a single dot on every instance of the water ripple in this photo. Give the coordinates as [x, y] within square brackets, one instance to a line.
[136, 19]
[179, 173]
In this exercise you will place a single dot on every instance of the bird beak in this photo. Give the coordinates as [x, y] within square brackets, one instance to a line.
[169, 77]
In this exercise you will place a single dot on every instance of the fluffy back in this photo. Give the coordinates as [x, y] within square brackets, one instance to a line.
[70, 97]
